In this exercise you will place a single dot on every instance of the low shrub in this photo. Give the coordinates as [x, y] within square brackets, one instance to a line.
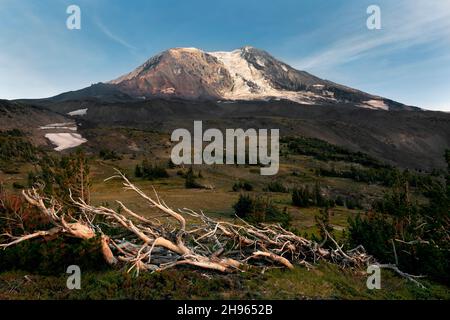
[107, 154]
[242, 185]
[304, 197]
[276, 186]
[257, 209]
[53, 257]
[150, 171]
[190, 180]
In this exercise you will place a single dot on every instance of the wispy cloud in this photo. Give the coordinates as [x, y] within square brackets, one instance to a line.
[112, 36]
[404, 26]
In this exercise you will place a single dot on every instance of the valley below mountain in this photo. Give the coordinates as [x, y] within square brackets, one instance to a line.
[410, 139]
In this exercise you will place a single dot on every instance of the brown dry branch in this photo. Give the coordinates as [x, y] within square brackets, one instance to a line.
[146, 244]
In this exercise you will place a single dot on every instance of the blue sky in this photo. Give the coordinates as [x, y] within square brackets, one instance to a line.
[408, 60]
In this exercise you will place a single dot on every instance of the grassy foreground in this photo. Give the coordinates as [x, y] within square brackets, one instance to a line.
[45, 278]
[324, 282]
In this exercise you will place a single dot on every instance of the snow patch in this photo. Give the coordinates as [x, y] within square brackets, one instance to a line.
[251, 84]
[64, 141]
[79, 112]
[60, 126]
[375, 104]
[260, 62]
[187, 49]
[170, 90]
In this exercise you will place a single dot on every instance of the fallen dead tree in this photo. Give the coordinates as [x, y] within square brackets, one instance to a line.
[147, 244]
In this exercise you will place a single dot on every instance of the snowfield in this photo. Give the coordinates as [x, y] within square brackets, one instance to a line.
[375, 104]
[64, 141]
[79, 112]
[250, 83]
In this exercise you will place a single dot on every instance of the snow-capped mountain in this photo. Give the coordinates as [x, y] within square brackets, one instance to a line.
[246, 88]
[243, 74]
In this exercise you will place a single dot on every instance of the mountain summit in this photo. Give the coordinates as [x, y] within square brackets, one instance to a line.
[243, 74]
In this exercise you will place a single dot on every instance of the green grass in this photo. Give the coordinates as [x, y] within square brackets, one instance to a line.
[325, 281]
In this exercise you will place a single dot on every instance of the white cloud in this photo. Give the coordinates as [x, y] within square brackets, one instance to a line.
[404, 26]
[112, 36]
[408, 60]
